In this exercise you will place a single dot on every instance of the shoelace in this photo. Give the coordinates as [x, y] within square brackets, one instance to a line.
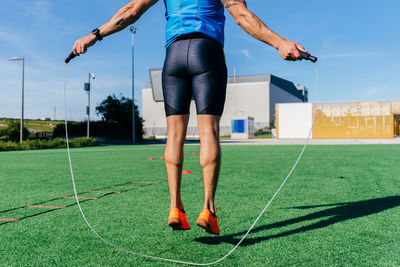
[216, 210]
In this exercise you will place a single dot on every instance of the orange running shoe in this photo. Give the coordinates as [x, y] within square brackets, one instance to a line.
[208, 222]
[177, 220]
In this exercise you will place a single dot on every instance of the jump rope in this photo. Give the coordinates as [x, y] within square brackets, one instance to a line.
[304, 55]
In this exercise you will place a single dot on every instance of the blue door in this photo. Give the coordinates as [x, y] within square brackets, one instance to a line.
[238, 126]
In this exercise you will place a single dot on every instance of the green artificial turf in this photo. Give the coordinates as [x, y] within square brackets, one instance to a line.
[341, 207]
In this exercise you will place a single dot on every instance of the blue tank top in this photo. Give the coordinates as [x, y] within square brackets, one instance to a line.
[190, 16]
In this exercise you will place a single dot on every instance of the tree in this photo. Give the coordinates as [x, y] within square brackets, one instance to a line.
[12, 132]
[118, 111]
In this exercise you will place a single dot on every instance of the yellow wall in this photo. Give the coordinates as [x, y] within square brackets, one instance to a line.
[355, 120]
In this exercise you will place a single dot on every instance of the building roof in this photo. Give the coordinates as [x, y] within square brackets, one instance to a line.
[297, 91]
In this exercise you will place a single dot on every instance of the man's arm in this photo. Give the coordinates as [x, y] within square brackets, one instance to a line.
[123, 18]
[256, 28]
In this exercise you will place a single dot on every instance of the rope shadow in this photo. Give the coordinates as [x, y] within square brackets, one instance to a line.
[339, 213]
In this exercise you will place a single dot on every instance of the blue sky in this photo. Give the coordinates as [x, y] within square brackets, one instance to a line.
[356, 42]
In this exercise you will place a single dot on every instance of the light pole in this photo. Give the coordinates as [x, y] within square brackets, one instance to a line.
[133, 31]
[21, 129]
[87, 89]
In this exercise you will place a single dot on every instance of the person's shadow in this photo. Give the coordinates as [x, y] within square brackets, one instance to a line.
[342, 212]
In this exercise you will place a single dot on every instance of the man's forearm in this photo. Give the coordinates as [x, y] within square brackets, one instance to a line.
[126, 16]
[256, 28]
[122, 19]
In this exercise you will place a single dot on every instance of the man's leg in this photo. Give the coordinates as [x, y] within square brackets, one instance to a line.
[210, 156]
[176, 131]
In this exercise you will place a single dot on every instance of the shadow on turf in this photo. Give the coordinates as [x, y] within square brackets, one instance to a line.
[342, 212]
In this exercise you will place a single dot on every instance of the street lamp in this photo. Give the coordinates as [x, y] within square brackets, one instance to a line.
[87, 89]
[23, 83]
[133, 31]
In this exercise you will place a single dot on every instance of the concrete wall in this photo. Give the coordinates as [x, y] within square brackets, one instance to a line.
[246, 99]
[252, 96]
[277, 96]
[295, 120]
[354, 120]
[155, 123]
[153, 114]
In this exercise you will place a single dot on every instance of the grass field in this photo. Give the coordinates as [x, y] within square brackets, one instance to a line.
[340, 208]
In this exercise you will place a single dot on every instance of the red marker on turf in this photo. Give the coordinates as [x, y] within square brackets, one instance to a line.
[119, 186]
[186, 172]
[194, 153]
[105, 192]
[184, 155]
[151, 159]
[10, 220]
[162, 157]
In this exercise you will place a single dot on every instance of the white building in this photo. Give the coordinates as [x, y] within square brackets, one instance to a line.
[253, 96]
[339, 120]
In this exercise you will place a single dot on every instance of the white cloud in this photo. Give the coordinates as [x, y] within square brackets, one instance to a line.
[36, 10]
[19, 42]
[243, 52]
[246, 53]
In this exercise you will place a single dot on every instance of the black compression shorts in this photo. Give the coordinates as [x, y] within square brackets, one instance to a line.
[194, 68]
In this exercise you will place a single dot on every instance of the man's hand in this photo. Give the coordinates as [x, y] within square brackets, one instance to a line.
[290, 50]
[83, 44]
